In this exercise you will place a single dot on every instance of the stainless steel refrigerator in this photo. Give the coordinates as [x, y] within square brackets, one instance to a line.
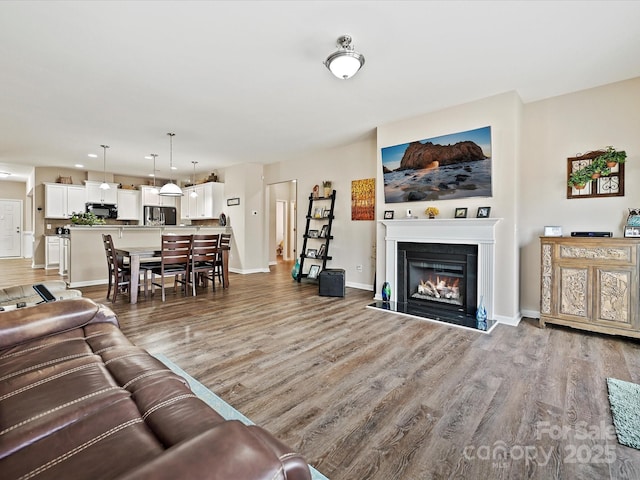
[159, 215]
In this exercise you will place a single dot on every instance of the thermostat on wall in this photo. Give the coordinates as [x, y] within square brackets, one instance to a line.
[551, 231]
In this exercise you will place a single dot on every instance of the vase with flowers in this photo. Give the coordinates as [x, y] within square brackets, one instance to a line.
[431, 212]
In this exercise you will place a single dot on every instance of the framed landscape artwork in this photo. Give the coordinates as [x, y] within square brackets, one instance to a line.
[451, 166]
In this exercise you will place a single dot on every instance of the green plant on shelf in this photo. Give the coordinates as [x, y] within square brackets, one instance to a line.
[88, 218]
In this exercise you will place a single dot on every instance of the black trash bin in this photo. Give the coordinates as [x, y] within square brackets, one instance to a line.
[331, 282]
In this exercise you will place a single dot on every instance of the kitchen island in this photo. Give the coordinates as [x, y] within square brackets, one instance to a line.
[87, 259]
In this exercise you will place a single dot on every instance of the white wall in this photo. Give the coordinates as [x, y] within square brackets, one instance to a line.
[354, 241]
[558, 128]
[502, 113]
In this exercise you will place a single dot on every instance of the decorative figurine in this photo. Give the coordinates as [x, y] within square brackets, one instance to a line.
[481, 316]
[386, 292]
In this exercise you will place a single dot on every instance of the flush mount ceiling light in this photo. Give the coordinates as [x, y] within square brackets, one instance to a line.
[194, 194]
[170, 189]
[154, 190]
[345, 62]
[104, 185]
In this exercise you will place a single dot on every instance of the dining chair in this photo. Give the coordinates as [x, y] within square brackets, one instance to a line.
[119, 274]
[174, 261]
[225, 242]
[204, 250]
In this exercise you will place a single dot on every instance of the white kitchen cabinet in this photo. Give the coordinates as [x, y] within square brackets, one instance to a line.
[60, 200]
[97, 195]
[128, 205]
[52, 252]
[206, 205]
[150, 198]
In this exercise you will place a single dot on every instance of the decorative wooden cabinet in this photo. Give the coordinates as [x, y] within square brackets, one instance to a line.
[591, 284]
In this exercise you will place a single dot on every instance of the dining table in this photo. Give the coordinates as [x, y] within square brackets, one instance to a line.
[136, 254]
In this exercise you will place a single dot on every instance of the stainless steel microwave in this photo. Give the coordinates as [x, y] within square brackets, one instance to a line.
[103, 210]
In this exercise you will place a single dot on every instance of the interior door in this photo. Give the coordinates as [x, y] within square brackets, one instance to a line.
[10, 228]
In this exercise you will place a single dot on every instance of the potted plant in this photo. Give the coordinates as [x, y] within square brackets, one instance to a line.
[598, 167]
[326, 185]
[579, 178]
[431, 212]
[612, 157]
[88, 218]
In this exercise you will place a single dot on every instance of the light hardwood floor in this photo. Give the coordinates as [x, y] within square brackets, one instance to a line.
[365, 394]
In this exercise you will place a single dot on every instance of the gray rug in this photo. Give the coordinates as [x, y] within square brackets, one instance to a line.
[624, 398]
[215, 402]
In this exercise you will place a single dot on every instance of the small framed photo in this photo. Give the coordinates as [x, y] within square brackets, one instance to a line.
[325, 213]
[388, 214]
[313, 271]
[324, 232]
[552, 231]
[313, 234]
[483, 212]
[317, 212]
[312, 253]
[322, 250]
[631, 232]
[461, 212]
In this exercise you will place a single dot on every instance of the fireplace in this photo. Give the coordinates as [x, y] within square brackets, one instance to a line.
[439, 279]
[439, 270]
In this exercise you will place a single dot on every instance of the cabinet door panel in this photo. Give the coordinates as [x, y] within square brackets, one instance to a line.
[614, 296]
[574, 293]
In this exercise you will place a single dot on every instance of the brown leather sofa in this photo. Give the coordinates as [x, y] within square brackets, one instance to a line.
[79, 400]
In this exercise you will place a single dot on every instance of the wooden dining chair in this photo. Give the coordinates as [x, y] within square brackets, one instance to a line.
[174, 261]
[119, 274]
[225, 242]
[204, 251]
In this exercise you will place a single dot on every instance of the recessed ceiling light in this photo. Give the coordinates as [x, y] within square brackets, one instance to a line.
[79, 165]
[173, 168]
[152, 175]
[92, 155]
[148, 158]
[4, 174]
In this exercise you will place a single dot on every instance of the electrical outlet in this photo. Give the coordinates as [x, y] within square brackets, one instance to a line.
[48, 226]
[359, 268]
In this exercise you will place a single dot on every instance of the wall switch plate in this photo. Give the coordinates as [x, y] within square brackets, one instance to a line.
[359, 268]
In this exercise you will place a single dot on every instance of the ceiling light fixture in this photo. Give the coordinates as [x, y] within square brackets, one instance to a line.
[104, 185]
[170, 189]
[345, 62]
[154, 190]
[194, 194]
[4, 174]
[92, 155]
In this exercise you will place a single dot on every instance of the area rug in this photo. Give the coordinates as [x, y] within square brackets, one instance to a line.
[624, 398]
[215, 402]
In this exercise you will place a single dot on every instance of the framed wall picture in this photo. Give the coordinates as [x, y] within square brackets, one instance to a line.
[325, 213]
[631, 232]
[552, 231]
[388, 214]
[314, 271]
[461, 212]
[483, 212]
[324, 232]
[312, 253]
[313, 233]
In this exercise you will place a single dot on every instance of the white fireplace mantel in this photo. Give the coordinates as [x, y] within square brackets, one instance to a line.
[468, 231]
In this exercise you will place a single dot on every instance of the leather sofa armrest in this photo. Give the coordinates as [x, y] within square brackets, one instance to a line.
[25, 324]
[229, 450]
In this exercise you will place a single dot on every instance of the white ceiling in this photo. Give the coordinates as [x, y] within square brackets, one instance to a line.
[243, 81]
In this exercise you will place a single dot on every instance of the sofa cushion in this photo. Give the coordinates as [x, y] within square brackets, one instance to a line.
[26, 293]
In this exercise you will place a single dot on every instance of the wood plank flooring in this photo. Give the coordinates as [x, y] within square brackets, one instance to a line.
[366, 394]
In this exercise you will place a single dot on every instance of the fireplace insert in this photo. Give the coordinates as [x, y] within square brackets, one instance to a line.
[438, 280]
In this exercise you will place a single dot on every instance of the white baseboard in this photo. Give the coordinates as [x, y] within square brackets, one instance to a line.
[360, 286]
[531, 314]
[249, 270]
[511, 321]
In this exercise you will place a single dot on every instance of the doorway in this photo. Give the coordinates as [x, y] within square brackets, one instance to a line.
[282, 222]
[10, 228]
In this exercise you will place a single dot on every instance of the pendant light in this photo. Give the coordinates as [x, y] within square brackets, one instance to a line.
[170, 189]
[104, 185]
[154, 190]
[193, 193]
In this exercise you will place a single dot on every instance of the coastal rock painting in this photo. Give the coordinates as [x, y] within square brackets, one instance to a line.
[441, 168]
